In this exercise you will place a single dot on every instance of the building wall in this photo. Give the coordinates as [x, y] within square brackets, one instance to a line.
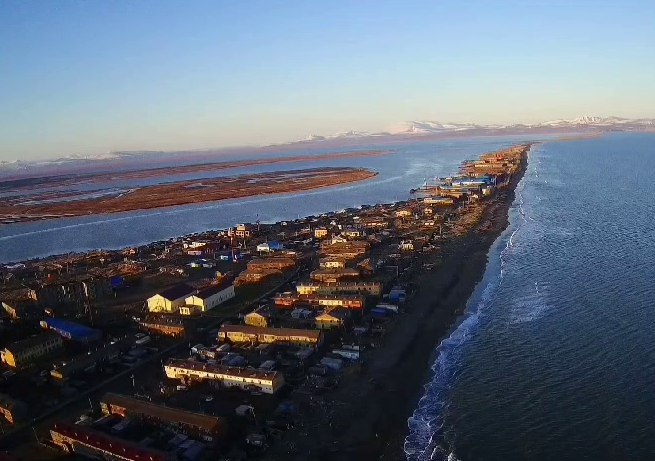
[27, 356]
[332, 264]
[212, 301]
[158, 303]
[269, 338]
[326, 323]
[256, 320]
[268, 386]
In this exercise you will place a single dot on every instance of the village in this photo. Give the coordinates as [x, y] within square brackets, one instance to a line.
[212, 346]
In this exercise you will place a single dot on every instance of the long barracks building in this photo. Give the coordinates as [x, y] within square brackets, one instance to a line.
[259, 335]
[268, 382]
[364, 288]
[290, 300]
[188, 421]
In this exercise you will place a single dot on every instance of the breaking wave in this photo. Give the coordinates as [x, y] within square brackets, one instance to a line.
[427, 438]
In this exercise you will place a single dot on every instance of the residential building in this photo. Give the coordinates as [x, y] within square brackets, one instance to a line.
[321, 233]
[11, 409]
[24, 352]
[406, 245]
[366, 288]
[442, 201]
[87, 362]
[165, 326]
[267, 382]
[280, 263]
[260, 317]
[351, 302]
[334, 275]
[352, 233]
[332, 263]
[345, 249]
[92, 443]
[259, 335]
[332, 318]
[269, 247]
[171, 299]
[22, 310]
[211, 296]
[192, 423]
[242, 231]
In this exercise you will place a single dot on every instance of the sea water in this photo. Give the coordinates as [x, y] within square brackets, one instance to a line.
[555, 357]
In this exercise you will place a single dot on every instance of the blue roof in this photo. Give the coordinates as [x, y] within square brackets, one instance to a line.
[73, 331]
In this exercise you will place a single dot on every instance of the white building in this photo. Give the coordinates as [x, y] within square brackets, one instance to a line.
[267, 382]
[210, 297]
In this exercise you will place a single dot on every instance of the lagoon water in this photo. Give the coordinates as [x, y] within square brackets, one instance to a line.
[555, 358]
[407, 166]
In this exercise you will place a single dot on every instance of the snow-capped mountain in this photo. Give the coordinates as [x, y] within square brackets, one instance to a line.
[406, 129]
[598, 121]
[427, 126]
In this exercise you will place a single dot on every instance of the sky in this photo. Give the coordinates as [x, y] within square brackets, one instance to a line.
[87, 77]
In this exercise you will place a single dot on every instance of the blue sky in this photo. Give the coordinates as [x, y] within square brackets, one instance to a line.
[94, 76]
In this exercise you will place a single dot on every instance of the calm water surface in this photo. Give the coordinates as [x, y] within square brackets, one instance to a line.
[556, 358]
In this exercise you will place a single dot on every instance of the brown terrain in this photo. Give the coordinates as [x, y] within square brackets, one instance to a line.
[181, 193]
[104, 177]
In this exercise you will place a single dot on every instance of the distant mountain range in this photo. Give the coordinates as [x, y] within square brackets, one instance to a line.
[427, 127]
[586, 124]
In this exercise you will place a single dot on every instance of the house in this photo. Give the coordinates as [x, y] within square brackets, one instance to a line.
[171, 299]
[320, 233]
[257, 335]
[267, 382]
[11, 409]
[352, 232]
[339, 239]
[24, 352]
[192, 423]
[332, 318]
[332, 263]
[209, 297]
[406, 245]
[240, 231]
[258, 318]
[269, 247]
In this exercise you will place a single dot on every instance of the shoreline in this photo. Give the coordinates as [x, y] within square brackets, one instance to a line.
[368, 416]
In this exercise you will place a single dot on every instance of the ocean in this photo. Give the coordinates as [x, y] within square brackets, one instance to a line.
[407, 166]
[555, 356]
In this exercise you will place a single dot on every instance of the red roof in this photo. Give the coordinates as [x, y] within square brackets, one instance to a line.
[115, 446]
